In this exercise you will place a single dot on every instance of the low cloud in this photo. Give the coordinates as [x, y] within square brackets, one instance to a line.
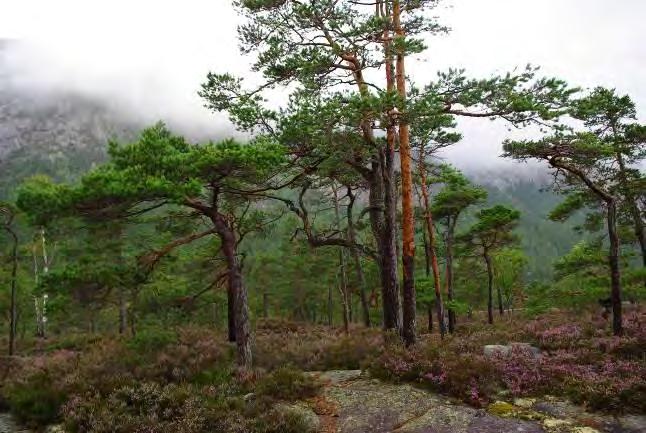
[147, 58]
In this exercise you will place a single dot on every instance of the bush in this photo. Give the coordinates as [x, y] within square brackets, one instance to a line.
[151, 340]
[36, 401]
[287, 384]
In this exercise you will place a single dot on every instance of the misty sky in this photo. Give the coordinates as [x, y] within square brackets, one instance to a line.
[149, 56]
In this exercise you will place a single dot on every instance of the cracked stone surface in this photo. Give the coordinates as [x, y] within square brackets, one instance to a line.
[365, 405]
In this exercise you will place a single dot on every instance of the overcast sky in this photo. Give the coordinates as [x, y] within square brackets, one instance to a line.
[150, 56]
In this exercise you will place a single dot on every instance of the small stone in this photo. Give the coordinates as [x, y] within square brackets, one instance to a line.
[552, 423]
[496, 349]
[502, 350]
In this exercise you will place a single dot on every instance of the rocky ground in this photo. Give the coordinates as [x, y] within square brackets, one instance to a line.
[354, 403]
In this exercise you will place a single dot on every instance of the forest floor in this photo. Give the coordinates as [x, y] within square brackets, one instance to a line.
[556, 373]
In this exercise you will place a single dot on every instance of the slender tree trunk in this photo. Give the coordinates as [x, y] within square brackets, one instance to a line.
[361, 279]
[380, 217]
[386, 249]
[489, 287]
[431, 245]
[450, 234]
[408, 218]
[343, 290]
[231, 313]
[615, 276]
[501, 309]
[387, 156]
[236, 289]
[427, 256]
[13, 309]
[343, 278]
[427, 260]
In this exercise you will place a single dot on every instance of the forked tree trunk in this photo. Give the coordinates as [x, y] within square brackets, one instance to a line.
[236, 289]
[408, 218]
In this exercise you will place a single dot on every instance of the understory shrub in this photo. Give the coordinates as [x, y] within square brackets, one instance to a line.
[578, 360]
[287, 384]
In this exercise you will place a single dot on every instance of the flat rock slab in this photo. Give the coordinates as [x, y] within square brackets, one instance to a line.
[364, 405]
[370, 406]
[7, 425]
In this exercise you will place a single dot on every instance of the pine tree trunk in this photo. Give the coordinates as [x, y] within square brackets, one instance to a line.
[361, 279]
[343, 290]
[231, 314]
[449, 269]
[489, 287]
[501, 309]
[408, 218]
[343, 278]
[387, 156]
[238, 305]
[386, 249]
[431, 245]
[615, 276]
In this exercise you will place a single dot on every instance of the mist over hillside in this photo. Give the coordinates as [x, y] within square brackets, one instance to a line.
[62, 133]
